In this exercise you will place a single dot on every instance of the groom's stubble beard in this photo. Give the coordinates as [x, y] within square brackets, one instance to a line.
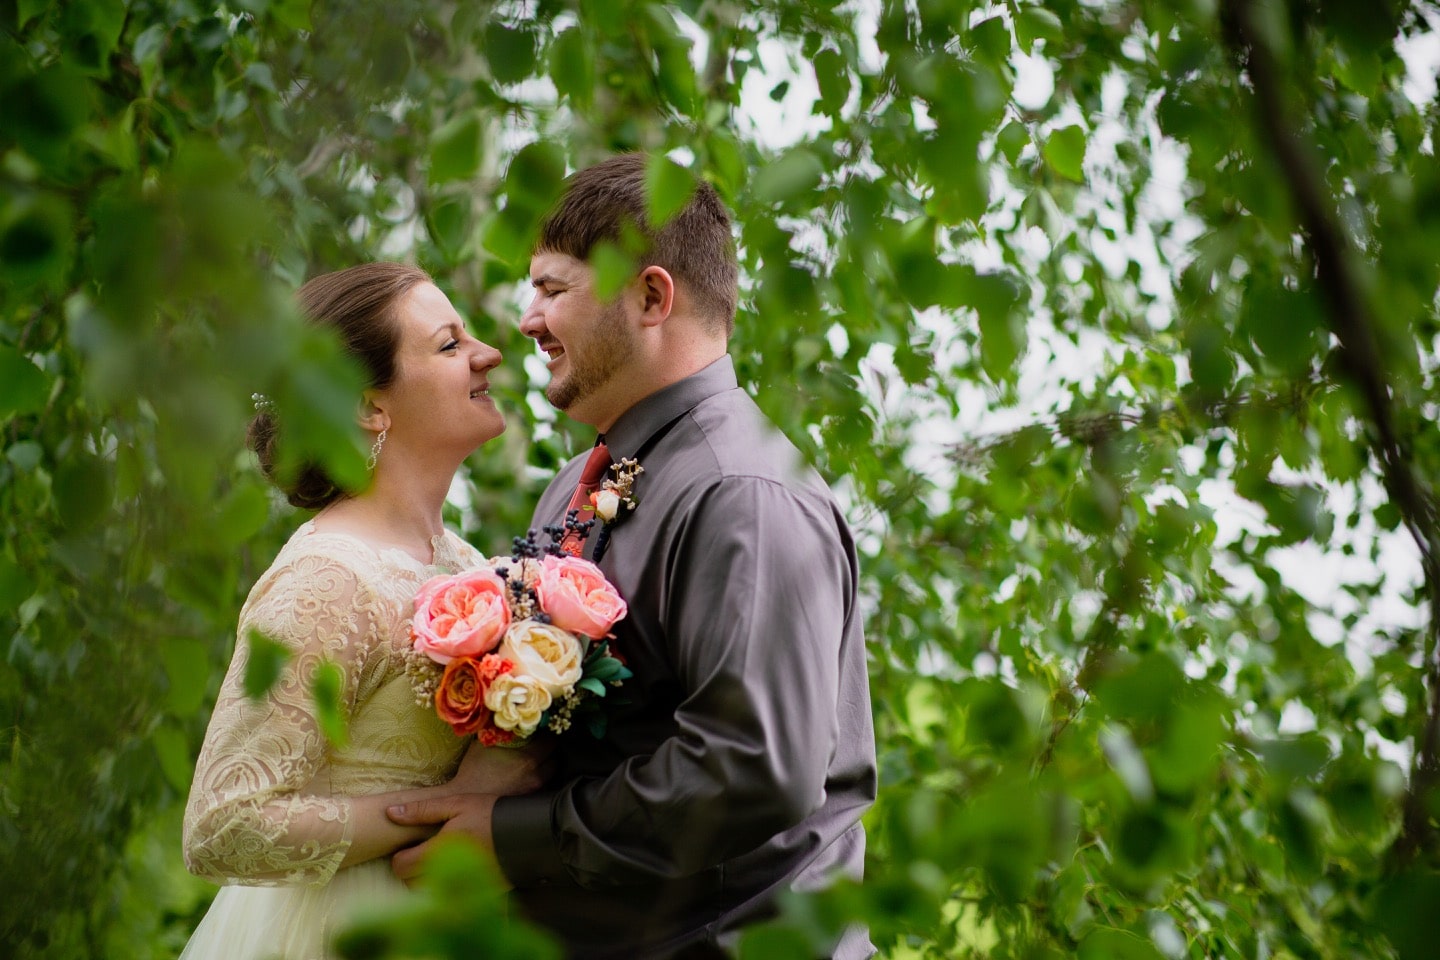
[608, 344]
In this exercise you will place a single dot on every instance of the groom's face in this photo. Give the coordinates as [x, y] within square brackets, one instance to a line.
[588, 342]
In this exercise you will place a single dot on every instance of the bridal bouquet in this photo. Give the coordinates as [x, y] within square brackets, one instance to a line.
[517, 645]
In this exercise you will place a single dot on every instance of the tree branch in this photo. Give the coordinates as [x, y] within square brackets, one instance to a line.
[1348, 315]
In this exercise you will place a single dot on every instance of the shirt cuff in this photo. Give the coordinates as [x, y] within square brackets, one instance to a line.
[524, 839]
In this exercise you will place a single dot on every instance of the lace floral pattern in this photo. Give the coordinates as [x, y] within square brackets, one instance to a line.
[269, 805]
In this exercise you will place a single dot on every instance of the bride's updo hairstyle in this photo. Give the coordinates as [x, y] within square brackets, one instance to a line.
[359, 304]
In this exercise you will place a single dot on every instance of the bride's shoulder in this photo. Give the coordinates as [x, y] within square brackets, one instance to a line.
[453, 550]
[313, 553]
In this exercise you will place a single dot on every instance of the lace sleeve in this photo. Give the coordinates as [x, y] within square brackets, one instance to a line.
[260, 811]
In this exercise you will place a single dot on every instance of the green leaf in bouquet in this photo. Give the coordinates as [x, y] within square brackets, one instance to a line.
[606, 669]
[267, 659]
[593, 685]
[596, 725]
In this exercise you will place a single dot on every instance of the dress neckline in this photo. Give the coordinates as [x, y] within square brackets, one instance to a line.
[441, 558]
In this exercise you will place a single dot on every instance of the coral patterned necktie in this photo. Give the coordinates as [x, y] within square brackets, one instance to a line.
[599, 461]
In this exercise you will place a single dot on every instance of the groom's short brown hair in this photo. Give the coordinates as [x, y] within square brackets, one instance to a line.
[695, 246]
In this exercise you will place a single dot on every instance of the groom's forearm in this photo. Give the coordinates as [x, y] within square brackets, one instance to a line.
[523, 832]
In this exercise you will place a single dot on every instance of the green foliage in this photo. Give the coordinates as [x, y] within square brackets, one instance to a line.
[1130, 393]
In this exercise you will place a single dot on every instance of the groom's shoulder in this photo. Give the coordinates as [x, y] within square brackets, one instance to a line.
[743, 442]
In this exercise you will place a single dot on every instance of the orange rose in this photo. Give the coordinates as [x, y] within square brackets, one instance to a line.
[460, 699]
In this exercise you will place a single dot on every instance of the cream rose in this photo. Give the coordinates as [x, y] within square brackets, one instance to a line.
[550, 656]
[518, 702]
[607, 504]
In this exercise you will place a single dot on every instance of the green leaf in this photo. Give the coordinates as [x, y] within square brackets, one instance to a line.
[294, 14]
[92, 30]
[241, 514]
[173, 750]
[1405, 907]
[1012, 139]
[774, 941]
[1036, 22]
[1002, 330]
[36, 240]
[455, 149]
[1064, 151]
[15, 585]
[510, 51]
[1109, 943]
[991, 39]
[23, 387]
[326, 688]
[726, 162]
[668, 188]
[27, 10]
[262, 669]
[795, 172]
[84, 491]
[605, 669]
[27, 455]
[613, 269]
[261, 76]
[832, 74]
[593, 685]
[1295, 758]
[187, 667]
[534, 179]
[572, 67]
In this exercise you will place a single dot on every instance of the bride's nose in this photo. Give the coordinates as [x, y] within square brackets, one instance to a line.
[485, 357]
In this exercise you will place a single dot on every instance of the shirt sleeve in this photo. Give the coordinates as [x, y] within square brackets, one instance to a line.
[258, 814]
[757, 597]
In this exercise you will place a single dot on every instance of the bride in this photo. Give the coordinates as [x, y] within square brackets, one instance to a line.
[291, 823]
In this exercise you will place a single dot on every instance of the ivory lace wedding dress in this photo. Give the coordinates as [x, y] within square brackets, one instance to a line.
[269, 815]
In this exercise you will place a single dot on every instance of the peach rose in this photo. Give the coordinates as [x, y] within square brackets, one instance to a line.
[460, 616]
[518, 703]
[552, 656]
[577, 596]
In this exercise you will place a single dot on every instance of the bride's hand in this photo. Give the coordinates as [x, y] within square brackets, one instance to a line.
[506, 771]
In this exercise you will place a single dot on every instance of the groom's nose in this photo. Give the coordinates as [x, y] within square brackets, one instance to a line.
[532, 324]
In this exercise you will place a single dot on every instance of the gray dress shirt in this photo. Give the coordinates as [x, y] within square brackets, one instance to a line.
[746, 754]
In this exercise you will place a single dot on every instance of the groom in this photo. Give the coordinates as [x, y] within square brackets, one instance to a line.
[745, 757]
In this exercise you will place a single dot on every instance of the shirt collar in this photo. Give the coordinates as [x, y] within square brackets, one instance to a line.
[642, 421]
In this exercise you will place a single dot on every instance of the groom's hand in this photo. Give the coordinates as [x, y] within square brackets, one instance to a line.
[460, 813]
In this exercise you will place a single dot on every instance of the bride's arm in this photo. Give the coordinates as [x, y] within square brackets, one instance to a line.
[505, 771]
[260, 809]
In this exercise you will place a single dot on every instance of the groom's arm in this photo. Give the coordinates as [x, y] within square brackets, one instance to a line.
[755, 608]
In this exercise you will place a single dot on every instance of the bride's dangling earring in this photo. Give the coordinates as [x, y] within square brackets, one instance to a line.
[374, 457]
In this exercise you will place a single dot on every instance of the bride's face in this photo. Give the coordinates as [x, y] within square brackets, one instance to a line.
[439, 399]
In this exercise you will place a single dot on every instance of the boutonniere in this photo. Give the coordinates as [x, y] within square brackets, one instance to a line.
[615, 500]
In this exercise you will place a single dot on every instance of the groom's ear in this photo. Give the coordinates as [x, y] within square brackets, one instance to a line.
[657, 295]
[371, 413]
